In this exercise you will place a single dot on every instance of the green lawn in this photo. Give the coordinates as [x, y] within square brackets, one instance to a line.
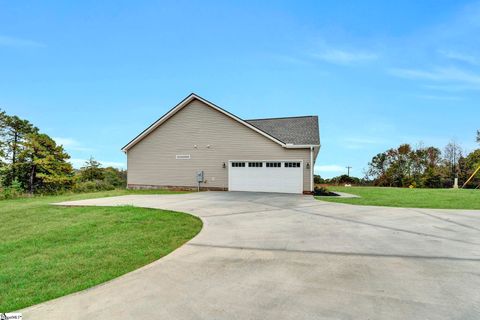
[411, 198]
[48, 251]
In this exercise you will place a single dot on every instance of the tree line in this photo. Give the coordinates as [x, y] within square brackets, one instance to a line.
[423, 167]
[32, 162]
[341, 180]
[428, 167]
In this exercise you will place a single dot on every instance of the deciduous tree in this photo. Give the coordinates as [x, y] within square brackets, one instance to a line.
[452, 154]
[115, 177]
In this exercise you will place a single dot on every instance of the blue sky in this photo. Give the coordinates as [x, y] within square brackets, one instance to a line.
[93, 74]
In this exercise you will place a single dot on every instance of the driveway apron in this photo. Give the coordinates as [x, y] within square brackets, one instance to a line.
[283, 256]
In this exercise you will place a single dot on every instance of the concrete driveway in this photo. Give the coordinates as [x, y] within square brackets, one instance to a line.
[274, 256]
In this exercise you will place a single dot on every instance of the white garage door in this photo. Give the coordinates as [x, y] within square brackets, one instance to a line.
[266, 176]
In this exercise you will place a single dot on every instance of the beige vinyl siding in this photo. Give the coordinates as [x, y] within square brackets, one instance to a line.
[152, 161]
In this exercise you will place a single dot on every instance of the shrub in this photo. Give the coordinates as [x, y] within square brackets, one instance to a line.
[115, 177]
[92, 186]
[322, 191]
[317, 179]
[15, 190]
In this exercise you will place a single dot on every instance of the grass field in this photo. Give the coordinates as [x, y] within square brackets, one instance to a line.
[48, 251]
[410, 198]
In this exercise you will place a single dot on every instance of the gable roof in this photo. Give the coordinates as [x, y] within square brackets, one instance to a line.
[192, 97]
[291, 130]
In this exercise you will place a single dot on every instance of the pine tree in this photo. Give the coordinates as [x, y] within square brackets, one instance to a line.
[91, 171]
[44, 164]
[13, 134]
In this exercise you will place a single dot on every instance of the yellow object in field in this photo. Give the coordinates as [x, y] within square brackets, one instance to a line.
[471, 177]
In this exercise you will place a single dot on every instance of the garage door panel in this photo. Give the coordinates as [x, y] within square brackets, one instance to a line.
[266, 179]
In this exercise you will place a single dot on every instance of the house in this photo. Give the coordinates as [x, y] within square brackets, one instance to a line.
[198, 144]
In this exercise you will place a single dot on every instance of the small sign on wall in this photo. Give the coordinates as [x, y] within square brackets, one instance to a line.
[182, 157]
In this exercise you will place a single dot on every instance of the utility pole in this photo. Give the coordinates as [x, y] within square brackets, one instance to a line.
[348, 170]
[455, 171]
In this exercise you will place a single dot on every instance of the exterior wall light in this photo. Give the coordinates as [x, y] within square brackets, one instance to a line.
[308, 165]
[224, 165]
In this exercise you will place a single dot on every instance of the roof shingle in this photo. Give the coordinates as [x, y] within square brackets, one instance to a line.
[290, 130]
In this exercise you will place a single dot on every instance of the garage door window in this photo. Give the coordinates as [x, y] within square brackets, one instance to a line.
[238, 164]
[292, 164]
[255, 164]
[274, 164]
[274, 175]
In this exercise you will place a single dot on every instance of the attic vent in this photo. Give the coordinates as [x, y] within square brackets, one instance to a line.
[182, 157]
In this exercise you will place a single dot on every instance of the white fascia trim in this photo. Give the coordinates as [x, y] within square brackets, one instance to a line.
[301, 146]
[311, 169]
[183, 104]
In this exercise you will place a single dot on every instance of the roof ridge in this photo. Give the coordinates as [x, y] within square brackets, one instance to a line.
[294, 117]
[186, 101]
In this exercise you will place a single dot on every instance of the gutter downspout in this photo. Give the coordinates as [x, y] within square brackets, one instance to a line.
[311, 169]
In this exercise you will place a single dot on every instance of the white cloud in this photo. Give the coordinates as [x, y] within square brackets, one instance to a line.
[435, 97]
[71, 144]
[454, 55]
[450, 87]
[451, 75]
[17, 42]
[414, 74]
[66, 142]
[345, 57]
[121, 165]
[78, 163]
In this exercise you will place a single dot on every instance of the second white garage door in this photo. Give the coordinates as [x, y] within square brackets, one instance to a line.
[266, 176]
